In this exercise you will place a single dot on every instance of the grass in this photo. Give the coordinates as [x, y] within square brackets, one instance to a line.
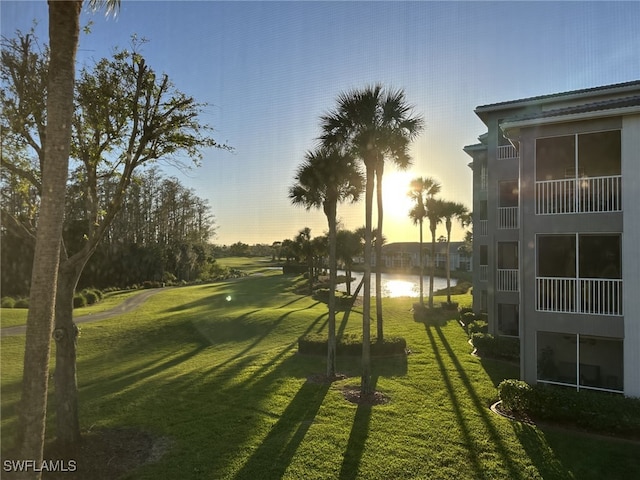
[11, 317]
[214, 369]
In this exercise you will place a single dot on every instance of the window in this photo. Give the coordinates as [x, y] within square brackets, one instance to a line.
[599, 256]
[579, 173]
[508, 193]
[581, 360]
[580, 273]
[508, 319]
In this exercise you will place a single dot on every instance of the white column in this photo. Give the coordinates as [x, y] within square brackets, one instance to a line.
[630, 252]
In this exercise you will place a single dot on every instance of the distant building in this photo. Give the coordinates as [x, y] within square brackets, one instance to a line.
[556, 188]
[406, 255]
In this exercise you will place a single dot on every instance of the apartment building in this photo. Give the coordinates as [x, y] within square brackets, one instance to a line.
[556, 261]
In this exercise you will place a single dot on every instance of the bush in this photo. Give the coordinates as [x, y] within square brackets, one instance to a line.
[449, 305]
[79, 300]
[597, 411]
[91, 296]
[351, 344]
[498, 347]
[21, 303]
[467, 317]
[7, 302]
[477, 326]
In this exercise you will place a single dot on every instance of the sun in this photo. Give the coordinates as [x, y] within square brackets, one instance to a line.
[395, 186]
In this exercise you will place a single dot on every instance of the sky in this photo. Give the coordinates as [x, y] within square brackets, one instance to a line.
[269, 70]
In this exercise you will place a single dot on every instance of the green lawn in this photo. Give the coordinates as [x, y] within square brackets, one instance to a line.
[214, 369]
[10, 317]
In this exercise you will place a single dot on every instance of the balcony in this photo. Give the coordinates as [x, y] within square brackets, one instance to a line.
[483, 228]
[507, 217]
[595, 296]
[483, 274]
[507, 280]
[507, 152]
[579, 195]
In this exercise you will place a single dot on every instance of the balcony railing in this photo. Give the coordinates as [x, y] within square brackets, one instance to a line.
[507, 217]
[507, 280]
[579, 195]
[483, 228]
[506, 152]
[483, 274]
[596, 296]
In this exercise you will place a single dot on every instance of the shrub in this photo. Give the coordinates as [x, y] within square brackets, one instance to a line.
[7, 302]
[498, 347]
[90, 296]
[79, 300]
[597, 411]
[351, 344]
[516, 395]
[21, 303]
[449, 305]
[467, 317]
[477, 326]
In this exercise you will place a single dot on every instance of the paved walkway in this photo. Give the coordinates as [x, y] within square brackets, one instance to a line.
[129, 304]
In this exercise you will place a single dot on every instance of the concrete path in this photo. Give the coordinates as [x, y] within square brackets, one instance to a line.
[129, 304]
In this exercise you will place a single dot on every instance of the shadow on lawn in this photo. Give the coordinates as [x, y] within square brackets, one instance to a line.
[481, 409]
[276, 451]
[357, 439]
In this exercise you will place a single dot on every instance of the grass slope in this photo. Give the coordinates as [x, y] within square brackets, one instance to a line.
[214, 369]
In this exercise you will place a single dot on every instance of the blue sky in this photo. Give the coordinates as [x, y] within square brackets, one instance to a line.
[270, 69]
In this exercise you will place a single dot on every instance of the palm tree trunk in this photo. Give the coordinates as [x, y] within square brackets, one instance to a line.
[379, 329]
[448, 225]
[421, 266]
[63, 40]
[365, 383]
[331, 343]
[432, 264]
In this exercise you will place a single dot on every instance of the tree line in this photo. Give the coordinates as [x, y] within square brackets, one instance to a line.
[161, 235]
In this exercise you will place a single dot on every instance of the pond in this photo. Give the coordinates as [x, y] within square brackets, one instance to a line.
[398, 284]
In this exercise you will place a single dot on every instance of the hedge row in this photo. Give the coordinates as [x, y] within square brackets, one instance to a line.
[351, 344]
[596, 411]
[497, 347]
[88, 296]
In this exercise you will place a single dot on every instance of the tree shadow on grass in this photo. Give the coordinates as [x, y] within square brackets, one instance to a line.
[481, 409]
[276, 451]
[558, 453]
[357, 439]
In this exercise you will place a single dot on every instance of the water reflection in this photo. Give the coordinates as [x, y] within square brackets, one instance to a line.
[397, 285]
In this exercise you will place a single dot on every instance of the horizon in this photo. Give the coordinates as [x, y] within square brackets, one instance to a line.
[269, 70]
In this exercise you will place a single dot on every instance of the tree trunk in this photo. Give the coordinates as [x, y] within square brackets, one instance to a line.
[66, 335]
[63, 40]
[379, 329]
[448, 225]
[365, 383]
[331, 343]
[421, 265]
[432, 263]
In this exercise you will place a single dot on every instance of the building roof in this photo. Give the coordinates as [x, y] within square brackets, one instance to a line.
[414, 247]
[614, 106]
[590, 93]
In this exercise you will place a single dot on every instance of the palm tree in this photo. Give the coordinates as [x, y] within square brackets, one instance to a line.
[434, 208]
[374, 124]
[451, 211]
[328, 176]
[421, 189]
[64, 29]
[348, 246]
